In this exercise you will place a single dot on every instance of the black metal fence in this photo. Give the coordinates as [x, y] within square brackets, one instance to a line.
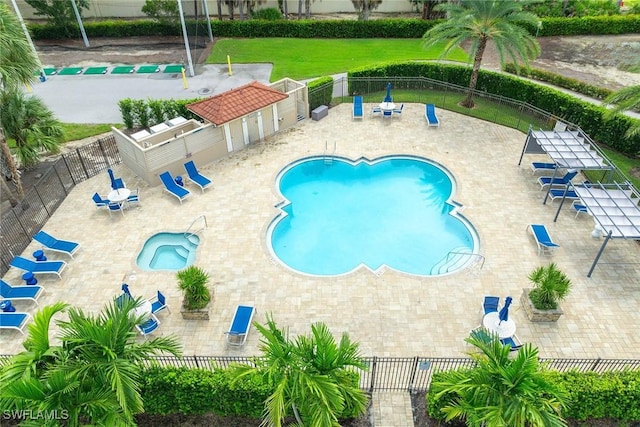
[19, 224]
[397, 373]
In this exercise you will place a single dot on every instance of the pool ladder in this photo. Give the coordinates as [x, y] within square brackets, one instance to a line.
[328, 158]
[188, 233]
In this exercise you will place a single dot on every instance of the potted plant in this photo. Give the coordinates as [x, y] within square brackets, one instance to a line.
[550, 286]
[193, 281]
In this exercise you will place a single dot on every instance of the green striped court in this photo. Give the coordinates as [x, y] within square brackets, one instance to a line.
[148, 69]
[173, 69]
[124, 69]
[70, 71]
[96, 70]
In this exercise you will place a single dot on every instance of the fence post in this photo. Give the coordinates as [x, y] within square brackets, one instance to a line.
[41, 201]
[413, 374]
[73, 179]
[595, 364]
[84, 168]
[373, 374]
[104, 154]
[195, 360]
[60, 179]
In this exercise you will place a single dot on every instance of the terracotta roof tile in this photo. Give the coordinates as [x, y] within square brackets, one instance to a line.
[235, 103]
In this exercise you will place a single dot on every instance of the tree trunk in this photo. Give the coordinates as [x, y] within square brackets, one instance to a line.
[286, 10]
[241, 4]
[219, 3]
[425, 11]
[477, 60]
[300, 9]
[5, 191]
[11, 164]
[307, 9]
[366, 6]
[231, 6]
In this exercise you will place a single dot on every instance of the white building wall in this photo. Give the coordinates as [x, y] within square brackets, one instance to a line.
[133, 8]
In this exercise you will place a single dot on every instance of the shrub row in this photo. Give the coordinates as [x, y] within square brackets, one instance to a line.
[322, 96]
[379, 28]
[593, 119]
[591, 395]
[558, 80]
[144, 113]
[189, 391]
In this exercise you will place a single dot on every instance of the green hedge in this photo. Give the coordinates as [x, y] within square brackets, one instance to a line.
[591, 395]
[591, 118]
[558, 80]
[378, 28]
[148, 112]
[199, 391]
[320, 97]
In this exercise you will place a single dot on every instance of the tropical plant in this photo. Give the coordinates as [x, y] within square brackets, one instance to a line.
[478, 22]
[59, 12]
[92, 377]
[502, 390]
[364, 7]
[311, 375]
[31, 124]
[192, 281]
[17, 64]
[163, 11]
[627, 98]
[550, 286]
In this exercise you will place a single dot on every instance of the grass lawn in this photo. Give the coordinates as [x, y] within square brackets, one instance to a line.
[308, 58]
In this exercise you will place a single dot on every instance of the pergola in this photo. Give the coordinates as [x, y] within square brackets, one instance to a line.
[613, 205]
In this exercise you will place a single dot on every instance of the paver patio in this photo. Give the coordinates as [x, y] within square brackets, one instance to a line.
[393, 314]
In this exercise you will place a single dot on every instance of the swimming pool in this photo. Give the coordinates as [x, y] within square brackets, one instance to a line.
[168, 251]
[396, 212]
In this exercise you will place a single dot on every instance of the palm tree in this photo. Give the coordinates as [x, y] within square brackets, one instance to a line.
[311, 375]
[364, 7]
[93, 375]
[480, 21]
[627, 98]
[17, 65]
[31, 124]
[501, 390]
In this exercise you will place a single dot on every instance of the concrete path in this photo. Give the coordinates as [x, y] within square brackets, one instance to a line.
[392, 409]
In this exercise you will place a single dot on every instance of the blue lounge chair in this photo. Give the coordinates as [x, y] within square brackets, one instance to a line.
[513, 342]
[53, 244]
[545, 181]
[430, 115]
[194, 176]
[38, 267]
[490, 304]
[358, 113]
[20, 292]
[159, 303]
[149, 326]
[558, 193]
[172, 188]
[579, 208]
[240, 325]
[543, 167]
[542, 238]
[15, 320]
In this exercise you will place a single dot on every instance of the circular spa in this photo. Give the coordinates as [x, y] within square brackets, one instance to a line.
[168, 251]
[395, 212]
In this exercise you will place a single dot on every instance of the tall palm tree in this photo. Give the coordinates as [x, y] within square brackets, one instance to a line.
[31, 124]
[627, 98]
[478, 22]
[501, 390]
[93, 375]
[17, 65]
[310, 375]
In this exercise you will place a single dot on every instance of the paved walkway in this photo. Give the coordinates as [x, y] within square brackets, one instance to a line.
[392, 409]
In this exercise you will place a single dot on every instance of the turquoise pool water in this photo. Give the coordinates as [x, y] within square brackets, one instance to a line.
[168, 251]
[339, 215]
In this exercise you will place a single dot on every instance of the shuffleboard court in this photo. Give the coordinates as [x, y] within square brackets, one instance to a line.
[124, 69]
[173, 69]
[96, 70]
[148, 69]
[70, 71]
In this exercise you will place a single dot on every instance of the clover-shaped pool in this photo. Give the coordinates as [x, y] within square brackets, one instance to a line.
[395, 212]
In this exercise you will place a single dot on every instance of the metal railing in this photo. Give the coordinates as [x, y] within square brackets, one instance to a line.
[19, 224]
[396, 373]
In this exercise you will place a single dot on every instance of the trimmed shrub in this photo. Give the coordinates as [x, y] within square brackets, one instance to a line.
[323, 96]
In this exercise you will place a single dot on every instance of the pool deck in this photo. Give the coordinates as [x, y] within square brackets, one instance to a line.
[391, 314]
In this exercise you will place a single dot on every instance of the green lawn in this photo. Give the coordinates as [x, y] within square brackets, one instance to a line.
[309, 58]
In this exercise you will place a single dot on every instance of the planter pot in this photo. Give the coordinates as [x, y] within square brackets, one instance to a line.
[536, 315]
[201, 314]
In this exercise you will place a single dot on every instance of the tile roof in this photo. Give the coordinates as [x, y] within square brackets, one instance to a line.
[235, 103]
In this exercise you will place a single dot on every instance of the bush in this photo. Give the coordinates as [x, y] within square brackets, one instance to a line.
[323, 96]
[268, 14]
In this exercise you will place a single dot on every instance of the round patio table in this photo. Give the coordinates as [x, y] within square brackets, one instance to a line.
[504, 329]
